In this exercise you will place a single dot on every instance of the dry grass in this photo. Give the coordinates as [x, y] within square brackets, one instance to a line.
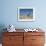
[26, 17]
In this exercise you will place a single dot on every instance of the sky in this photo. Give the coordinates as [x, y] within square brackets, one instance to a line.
[26, 11]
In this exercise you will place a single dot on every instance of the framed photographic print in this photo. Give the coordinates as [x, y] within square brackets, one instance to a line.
[26, 14]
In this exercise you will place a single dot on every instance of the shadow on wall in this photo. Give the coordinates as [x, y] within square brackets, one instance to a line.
[2, 26]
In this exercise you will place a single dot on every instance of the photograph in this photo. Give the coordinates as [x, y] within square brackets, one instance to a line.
[26, 14]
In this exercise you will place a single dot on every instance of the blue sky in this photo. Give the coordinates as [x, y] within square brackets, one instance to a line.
[26, 11]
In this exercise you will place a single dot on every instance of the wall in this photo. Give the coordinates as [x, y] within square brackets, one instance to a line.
[9, 13]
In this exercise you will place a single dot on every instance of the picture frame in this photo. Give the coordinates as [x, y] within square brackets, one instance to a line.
[26, 14]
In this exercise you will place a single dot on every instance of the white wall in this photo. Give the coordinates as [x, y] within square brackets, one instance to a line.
[9, 13]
